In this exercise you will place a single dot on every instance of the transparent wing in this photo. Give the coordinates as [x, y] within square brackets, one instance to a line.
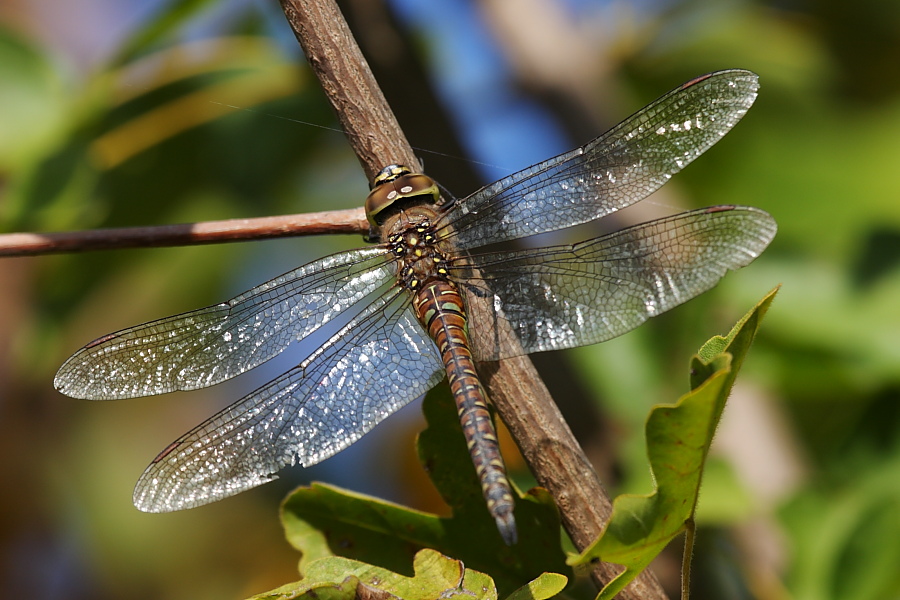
[206, 346]
[617, 169]
[566, 296]
[377, 363]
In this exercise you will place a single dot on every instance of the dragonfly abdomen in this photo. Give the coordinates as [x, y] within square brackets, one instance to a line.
[439, 307]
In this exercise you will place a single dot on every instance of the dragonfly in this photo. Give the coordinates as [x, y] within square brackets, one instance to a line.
[427, 300]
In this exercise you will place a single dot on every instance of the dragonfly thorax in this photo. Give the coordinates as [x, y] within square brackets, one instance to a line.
[420, 261]
[394, 190]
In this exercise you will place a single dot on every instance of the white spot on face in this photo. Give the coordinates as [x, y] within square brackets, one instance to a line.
[392, 194]
[406, 189]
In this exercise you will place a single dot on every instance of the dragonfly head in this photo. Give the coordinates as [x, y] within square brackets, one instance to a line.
[394, 189]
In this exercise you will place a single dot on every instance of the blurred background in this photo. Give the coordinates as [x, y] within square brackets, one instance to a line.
[136, 112]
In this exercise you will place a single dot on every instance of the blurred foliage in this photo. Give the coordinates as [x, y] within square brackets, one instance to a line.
[186, 114]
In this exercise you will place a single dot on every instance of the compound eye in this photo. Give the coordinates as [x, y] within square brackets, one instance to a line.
[395, 187]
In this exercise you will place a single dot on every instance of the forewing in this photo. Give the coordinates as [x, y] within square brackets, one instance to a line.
[567, 296]
[615, 170]
[206, 346]
[377, 363]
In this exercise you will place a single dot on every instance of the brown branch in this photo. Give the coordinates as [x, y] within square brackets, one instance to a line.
[517, 391]
[338, 63]
[209, 232]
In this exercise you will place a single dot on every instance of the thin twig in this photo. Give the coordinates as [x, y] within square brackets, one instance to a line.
[522, 400]
[209, 232]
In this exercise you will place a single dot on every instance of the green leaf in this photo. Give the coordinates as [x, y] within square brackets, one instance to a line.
[678, 441]
[545, 586]
[471, 532]
[737, 343]
[435, 576]
[321, 519]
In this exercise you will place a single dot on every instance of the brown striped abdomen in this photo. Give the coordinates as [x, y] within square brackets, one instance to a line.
[439, 307]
